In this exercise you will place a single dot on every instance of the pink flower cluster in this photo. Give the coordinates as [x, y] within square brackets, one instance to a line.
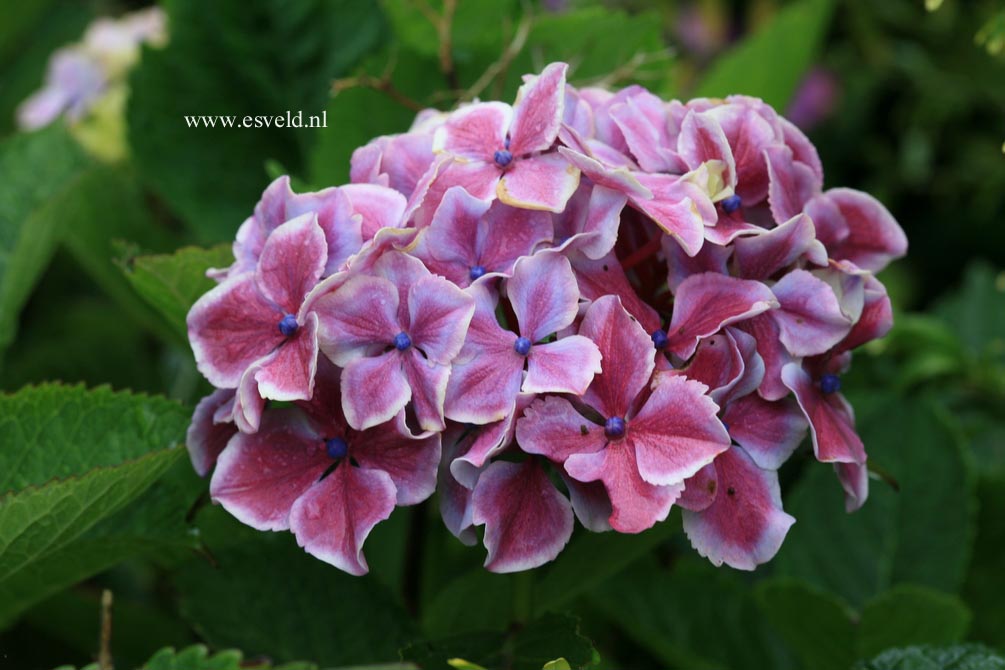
[586, 305]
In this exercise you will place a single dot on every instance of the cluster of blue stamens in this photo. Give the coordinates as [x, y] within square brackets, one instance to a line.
[614, 428]
[402, 341]
[731, 204]
[830, 383]
[522, 346]
[336, 447]
[288, 325]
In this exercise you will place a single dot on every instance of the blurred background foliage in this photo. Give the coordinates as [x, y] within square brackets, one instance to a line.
[903, 100]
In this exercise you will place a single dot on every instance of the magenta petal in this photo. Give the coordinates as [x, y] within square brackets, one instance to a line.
[645, 124]
[628, 356]
[701, 139]
[615, 178]
[854, 478]
[872, 237]
[802, 149]
[292, 262]
[248, 402]
[480, 444]
[700, 489]
[374, 389]
[832, 423]
[590, 503]
[748, 133]
[476, 131]
[527, 521]
[258, 477]
[680, 208]
[552, 427]
[761, 256]
[768, 431]
[538, 112]
[564, 366]
[507, 233]
[677, 432]
[718, 364]
[765, 332]
[876, 318]
[410, 461]
[636, 504]
[745, 526]
[791, 184]
[810, 320]
[439, 314]
[334, 517]
[289, 374]
[206, 436]
[358, 318]
[544, 295]
[448, 245]
[680, 266]
[544, 182]
[604, 276]
[428, 381]
[705, 303]
[455, 497]
[231, 327]
[379, 207]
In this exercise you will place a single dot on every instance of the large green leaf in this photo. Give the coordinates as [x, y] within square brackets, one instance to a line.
[40, 171]
[267, 596]
[986, 579]
[72, 460]
[171, 283]
[691, 615]
[961, 657]
[826, 634]
[239, 59]
[920, 534]
[771, 62]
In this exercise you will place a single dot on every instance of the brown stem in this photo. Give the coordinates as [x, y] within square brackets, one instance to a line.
[105, 648]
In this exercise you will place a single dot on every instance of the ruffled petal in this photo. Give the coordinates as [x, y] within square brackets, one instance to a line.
[358, 318]
[700, 489]
[768, 431]
[871, 236]
[705, 303]
[428, 382]
[832, 423]
[289, 373]
[677, 432]
[567, 365]
[745, 525]
[207, 435]
[761, 256]
[231, 327]
[636, 504]
[439, 314]
[527, 521]
[537, 114]
[374, 389]
[628, 356]
[552, 427]
[544, 182]
[475, 132]
[410, 461]
[292, 262]
[809, 318]
[334, 517]
[544, 295]
[258, 477]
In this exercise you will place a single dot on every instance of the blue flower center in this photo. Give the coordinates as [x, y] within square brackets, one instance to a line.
[336, 447]
[830, 383]
[659, 338]
[522, 346]
[476, 272]
[731, 204]
[402, 341]
[503, 157]
[288, 325]
[614, 428]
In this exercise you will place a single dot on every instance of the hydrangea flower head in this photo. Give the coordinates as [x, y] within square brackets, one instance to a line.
[589, 305]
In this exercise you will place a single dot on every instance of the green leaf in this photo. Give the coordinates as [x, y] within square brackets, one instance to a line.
[267, 596]
[907, 615]
[859, 555]
[107, 209]
[591, 559]
[40, 170]
[72, 460]
[770, 63]
[960, 657]
[816, 625]
[976, 313]
[263, 58]
[986, 579]
[528, 648]
[692, 615]
[171, 283]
